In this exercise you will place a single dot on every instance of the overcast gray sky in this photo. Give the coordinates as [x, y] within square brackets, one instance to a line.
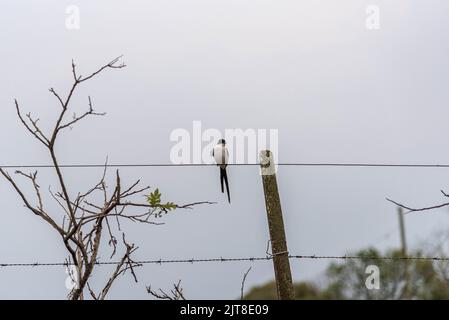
[336, 92]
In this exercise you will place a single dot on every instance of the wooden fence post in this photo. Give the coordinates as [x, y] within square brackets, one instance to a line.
[282, 272]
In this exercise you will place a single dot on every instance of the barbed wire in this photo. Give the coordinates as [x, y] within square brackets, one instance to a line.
[242, 259]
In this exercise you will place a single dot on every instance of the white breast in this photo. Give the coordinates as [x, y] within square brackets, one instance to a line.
[221, 155]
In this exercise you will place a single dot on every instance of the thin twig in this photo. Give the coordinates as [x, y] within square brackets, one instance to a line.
[243, 282]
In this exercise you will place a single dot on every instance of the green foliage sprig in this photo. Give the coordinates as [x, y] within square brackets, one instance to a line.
[154, 200]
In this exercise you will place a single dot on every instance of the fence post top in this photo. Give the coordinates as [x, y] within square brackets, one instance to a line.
[267, 164]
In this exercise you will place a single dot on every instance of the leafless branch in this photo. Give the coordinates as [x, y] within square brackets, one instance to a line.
[87, 113]
[126, 263]
[83, 215]
[243, 283]
[175, 294]
[36, 132]
[417, 209]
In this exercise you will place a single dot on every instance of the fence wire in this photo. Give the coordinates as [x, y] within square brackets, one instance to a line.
[293, 164]
[241, 259]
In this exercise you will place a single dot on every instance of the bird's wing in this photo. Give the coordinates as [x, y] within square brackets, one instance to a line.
[226, 155]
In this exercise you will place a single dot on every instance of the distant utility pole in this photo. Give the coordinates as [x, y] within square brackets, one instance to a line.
[406, 290]
[402, 232]
[282, 272]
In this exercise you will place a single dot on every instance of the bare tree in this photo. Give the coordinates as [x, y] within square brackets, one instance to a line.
[82, 218]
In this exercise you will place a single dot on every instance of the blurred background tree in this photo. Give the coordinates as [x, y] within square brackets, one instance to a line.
[399, 279]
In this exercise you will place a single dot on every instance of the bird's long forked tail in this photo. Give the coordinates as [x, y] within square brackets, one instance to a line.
[224, 178]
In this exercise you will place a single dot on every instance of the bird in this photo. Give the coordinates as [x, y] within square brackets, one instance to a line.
[221, 156]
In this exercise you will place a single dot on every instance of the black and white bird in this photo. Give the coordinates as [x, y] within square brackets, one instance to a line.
[221, 156]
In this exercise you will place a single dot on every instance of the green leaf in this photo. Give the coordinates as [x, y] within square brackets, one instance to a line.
[154, 199]
[169, 206]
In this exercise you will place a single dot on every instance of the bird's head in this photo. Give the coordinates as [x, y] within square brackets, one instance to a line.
[222, 141]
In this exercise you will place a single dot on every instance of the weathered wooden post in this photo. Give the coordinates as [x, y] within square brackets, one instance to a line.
[280, 254]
